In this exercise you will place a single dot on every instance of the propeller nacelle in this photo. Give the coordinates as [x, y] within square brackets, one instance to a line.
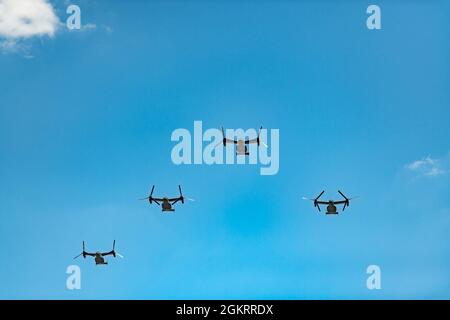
[150, 199]
[347, 200]
[316, 204]
[181, 195]
[113, 250]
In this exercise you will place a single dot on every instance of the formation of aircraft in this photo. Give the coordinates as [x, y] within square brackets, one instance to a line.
[167, 203]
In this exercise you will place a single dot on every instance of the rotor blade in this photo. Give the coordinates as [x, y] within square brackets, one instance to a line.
[119, 255]
[144, 198]
[179, 188]
[224, 138]
[114, 244]
[342, 194]
[220, 143]
[305, 198]
[264, 144]
[151, 192]
[318, 207]
[83, 246]
[320, 194]
[190, 199]
[156, 202]
[78, 255]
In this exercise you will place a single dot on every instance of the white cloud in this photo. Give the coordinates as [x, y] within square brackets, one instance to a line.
[418, 164]
[430, 167]
[89, 26]
[22, 20]
[27, 18]
[8, 46]
[435, 172]
[14, 46]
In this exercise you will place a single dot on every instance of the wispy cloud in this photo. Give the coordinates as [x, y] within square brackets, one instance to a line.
[89, 26]
[13, 46]
[430, 167]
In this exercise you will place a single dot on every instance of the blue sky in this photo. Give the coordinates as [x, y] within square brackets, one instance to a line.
[85, 124]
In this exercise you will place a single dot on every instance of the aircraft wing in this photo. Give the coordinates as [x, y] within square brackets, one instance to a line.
[340, 202]
[251, 141]
[175, 200]
[89, 254]
[231, 141]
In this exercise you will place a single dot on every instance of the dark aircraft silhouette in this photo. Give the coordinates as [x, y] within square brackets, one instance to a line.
[241, 144]
[167, 203]
[99, 255]
[331, 204]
